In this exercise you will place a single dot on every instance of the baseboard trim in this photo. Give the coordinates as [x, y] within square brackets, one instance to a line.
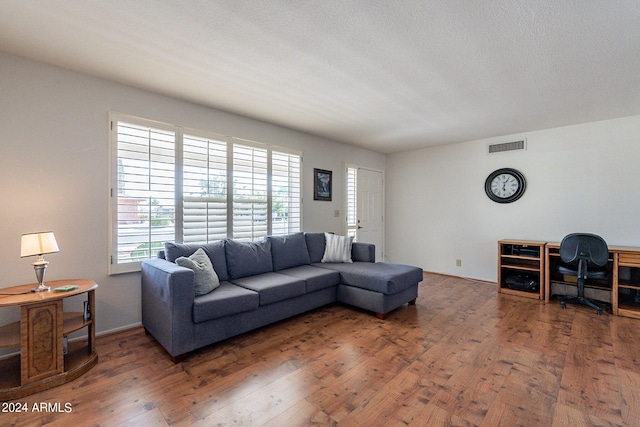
[119, 329]
[471, 279]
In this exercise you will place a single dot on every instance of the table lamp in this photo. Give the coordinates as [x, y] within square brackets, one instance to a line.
[39, 244]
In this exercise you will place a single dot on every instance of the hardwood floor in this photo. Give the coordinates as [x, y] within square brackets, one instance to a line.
[463, 355]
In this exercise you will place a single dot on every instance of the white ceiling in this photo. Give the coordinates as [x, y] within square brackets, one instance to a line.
[388, 75]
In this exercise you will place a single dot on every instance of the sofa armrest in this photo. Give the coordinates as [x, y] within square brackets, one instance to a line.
[363, 252]
[167, 304]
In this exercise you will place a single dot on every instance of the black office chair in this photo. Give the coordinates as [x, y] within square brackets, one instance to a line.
[584, 256]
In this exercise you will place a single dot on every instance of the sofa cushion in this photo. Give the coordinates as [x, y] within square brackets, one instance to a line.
[289, 251]
[315, 245]
[226, 300]
[315, 278]
[248, 258]
[273, 287]
[363, 252]
[215, 251]
[337, 248]
[379, 277]
[205, 279]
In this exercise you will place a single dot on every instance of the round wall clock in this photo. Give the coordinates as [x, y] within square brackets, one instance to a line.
[505, 185]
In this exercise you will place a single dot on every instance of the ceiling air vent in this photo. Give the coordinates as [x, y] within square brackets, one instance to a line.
[508, 146]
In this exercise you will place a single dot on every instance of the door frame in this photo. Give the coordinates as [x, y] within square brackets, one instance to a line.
[384, 203]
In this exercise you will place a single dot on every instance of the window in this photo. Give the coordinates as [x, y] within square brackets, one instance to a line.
[175, 184]
[352, 203]
[144, 195]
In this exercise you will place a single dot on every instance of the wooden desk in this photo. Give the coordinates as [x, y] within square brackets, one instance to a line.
[40, 336]
[626, 281]
[621, 288]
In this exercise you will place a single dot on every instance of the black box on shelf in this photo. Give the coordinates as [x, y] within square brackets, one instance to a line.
[521, 250]
[522, 282]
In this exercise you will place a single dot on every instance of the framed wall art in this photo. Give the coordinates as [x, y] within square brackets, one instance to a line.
[322, 185]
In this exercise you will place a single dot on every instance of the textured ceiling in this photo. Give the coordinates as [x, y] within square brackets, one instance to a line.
[389, 75]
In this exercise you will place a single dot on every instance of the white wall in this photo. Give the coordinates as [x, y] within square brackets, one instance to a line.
[54, 151]
[583, 178]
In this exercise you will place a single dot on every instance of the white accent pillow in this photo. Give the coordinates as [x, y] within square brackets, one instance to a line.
[337, 248]
[206, 279]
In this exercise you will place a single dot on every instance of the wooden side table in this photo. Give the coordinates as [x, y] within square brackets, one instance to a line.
[40, 335]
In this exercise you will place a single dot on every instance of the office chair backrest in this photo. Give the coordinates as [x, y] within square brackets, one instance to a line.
[588, 247]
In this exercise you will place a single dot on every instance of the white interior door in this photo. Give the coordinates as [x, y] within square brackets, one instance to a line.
[370, 209]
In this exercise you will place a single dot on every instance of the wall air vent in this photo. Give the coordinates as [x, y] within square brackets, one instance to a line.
[508, 146]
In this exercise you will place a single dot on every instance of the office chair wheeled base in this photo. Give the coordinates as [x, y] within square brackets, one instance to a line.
[580, 301]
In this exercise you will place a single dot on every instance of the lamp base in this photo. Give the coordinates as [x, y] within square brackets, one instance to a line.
[40, 266]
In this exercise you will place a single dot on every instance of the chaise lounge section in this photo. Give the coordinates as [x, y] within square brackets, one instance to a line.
[261, 283]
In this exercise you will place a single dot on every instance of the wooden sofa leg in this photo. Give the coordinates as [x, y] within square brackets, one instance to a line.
[382, 316]
[179, 358]
[412, 302]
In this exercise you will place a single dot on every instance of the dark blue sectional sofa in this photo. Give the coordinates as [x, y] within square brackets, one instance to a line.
[261, 283]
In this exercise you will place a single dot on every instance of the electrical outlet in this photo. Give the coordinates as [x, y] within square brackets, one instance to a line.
[458, 263]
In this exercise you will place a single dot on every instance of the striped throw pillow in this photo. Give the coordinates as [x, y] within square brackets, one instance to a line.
[337, 248]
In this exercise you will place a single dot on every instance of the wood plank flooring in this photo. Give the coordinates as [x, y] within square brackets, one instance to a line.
[462, 356]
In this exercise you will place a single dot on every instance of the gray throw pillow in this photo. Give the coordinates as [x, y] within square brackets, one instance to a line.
[206, 279]
[337, 248]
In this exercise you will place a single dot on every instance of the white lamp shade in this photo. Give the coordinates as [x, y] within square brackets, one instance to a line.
[38, 244]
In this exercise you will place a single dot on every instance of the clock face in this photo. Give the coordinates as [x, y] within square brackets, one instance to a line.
[505, 185]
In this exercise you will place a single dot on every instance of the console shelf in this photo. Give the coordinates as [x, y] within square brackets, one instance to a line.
[10, 335]
[40, 337]
[521, 268]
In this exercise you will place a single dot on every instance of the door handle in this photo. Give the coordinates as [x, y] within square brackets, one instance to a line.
[360, 227]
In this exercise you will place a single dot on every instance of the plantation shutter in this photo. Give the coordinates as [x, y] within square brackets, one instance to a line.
[286, 215]
[352, 211]
[249, 192]
[143, 196]
[204, 189]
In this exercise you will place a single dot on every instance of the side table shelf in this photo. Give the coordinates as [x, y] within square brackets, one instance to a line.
[40, 337]
[521, 268]
[10, 335]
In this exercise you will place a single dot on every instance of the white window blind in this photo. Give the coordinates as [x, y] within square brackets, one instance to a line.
[249, 192]
[352, 207]
[189, 186]
[144, 193]
[204, 189]
[286, 193]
